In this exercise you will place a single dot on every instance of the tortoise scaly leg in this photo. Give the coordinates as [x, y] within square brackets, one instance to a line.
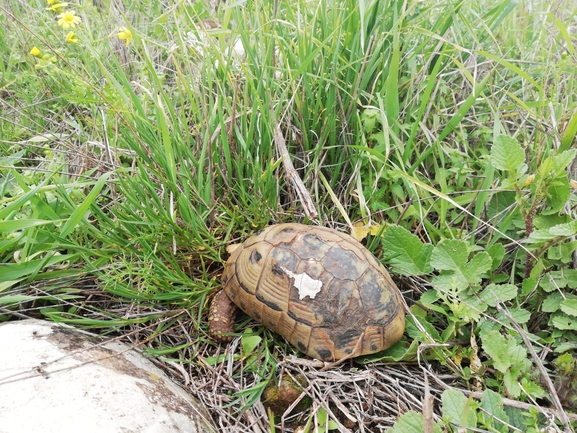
[221, 318]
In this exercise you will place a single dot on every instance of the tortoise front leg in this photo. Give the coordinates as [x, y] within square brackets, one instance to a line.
[221, 318]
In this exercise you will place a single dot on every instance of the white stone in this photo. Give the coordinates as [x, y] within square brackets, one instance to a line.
[56, 379]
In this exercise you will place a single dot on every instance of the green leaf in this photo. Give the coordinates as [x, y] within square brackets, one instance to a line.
[414, 330]
[451, 255]
[570, 132]
[569, 306]
[504, 352]
[532, 388]
[508, 155]
[495, 293]
[562, 251]
[562, 161]
[571, 275]
[563, 322]
[511, 382]
[557, 195]
[7, 284]
[492, 404]
[540, 236]
[369, 119]
[15, 225]
[553, 280]
[14, 271]
[458, 409]
[519, 315]
[405, 251]
[497, 253]
[15, 299]
[567, 229]
[411, 422]
[449, 282]
[552, 302]
[469, 309]
[249, 342]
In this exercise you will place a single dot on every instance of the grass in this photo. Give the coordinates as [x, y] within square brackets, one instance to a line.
[448, 129]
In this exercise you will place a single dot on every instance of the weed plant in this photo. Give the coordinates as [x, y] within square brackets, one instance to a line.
[136, 143]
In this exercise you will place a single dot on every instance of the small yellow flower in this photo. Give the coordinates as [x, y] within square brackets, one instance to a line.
[71, 38]
[57, 7]
[125, 35]
[35, 52]
[51, 2]
[68, 19]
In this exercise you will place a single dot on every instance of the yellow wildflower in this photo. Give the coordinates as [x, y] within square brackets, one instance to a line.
[71, 38]
[51, 2]
[35, 52]
[125, 35]
[68, 19]
[57, 7]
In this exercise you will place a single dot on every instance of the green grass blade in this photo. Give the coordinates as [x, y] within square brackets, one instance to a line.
[15, 225]
[81, 210]
[569, 135]
[453, 122]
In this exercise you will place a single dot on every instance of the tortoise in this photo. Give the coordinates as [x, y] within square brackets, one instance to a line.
[320, 289]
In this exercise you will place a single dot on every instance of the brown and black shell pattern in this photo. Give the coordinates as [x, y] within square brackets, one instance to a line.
[318, 288]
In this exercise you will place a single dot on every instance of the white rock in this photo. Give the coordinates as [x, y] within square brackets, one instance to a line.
[56, 379]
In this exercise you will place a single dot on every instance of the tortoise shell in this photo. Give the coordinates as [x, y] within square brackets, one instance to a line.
[318, 288]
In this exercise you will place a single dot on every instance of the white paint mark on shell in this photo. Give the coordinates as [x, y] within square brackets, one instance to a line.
[306, 285]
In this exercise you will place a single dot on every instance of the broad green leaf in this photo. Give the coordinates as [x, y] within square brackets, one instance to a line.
[497, 253]
[504, 352]
[568, 229]
[563, 322]
[518, 314]
[423, 330]
[405, 251]
[540, 236]
[545, 169]
[552, 302]
[449, 283]
[517, 417]
[562, 161]
[553, 280]
[495, 293]
[532, 387]
[569, 306]
[249, 342]
[520, 367]
[458, 409]
[557, 195]
[469, 309]
[451, 255]
[511, 382]
[508, 155]
[571, 275]
[492, 404]
[369, 119]
[411, 422]
[562, 251]
[81, 210]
